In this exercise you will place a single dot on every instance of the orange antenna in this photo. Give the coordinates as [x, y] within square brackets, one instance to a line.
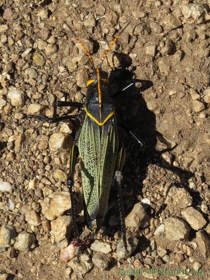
[110, 46]
[87, 52]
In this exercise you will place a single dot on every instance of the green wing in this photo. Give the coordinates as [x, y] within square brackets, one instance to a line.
[98, 149]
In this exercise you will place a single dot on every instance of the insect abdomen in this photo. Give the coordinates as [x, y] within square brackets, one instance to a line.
[98, 149]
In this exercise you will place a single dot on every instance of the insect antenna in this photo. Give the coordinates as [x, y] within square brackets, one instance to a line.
[87, 52]
[110, 46]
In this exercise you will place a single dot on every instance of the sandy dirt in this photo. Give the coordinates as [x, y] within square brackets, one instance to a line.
[165, 51]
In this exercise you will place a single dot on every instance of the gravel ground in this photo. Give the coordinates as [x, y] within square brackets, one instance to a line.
[165, 49]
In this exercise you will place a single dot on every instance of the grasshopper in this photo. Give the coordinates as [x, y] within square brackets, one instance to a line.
[97, 144]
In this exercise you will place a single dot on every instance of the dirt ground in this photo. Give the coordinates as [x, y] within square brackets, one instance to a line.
[165, 51]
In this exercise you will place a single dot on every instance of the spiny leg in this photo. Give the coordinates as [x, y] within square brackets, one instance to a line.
[56, 119]
[130, 83]
[70, 184]
[118, 180]
[140, 142]
[123, 89]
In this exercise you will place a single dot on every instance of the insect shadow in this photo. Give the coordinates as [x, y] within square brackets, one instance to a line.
[132, 112]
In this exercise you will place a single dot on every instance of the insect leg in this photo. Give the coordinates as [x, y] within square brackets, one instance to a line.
[140, 142]
[51, 120]
[70, 184]
[118, 180]
[56, 119]
[68, 103]
[123, 89]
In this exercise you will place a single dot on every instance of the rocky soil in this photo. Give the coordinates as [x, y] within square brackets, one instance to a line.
[165, 51]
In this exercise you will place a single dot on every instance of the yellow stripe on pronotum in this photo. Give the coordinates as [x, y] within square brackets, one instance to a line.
[95, 120]
[90, 82]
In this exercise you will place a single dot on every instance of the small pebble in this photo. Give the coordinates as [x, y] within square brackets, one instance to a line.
[82, 78]
[60, 228]
[83, 267]
[101, 247]
[3, 103]
[60, 175]
[32, 218]
[38, 59]
[153, 245]
[25, 241]
[101, 260]
[5, 187]
[167, 49]
[7, 236]
[197, 266]
[165, 258]
[198, 106]
[43, 14]
[31, 73]
[150, 50]
[4, 276]
[68, 253]
[137, 217]
[132, 244]
[51, 49]
[43, 145]
[206, 94]
[44, 33]
[162, 253]
[16, 96]
[57, 141]
[160, 230]
[3, 28]
[66, 128]
[11, 204]
[7, 15]
[55, 204]
[34, 109]
[195, 219]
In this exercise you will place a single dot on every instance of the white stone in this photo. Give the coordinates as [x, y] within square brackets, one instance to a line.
[34, 109]
[56, 204]
[2, 103]
[101, 247]
[7, 236]
[25, 241]
[11, 204]
[150, 50]
[56, 141]
[5, 187]
[16, 96]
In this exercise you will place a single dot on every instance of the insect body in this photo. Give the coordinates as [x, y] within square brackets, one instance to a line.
[98, 146]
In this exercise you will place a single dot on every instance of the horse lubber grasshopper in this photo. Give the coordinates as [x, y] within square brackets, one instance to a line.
[97, 144]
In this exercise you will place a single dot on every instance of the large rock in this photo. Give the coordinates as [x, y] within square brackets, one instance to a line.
[194, 218]
[203, 242]
[83, 267]
[7, 236]
[178, 197]
[61, 228]
[137, 217]
[176, 229]
[25, 241]
[56, 204]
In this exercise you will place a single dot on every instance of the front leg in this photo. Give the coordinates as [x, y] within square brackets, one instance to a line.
[56, 119]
